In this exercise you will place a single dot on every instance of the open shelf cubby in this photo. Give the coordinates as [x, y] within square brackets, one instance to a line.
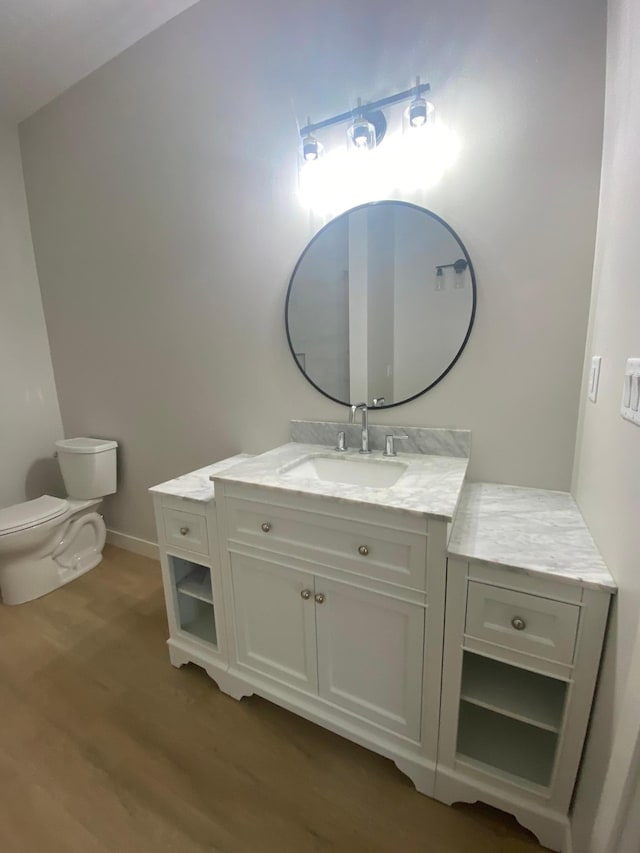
[194, 595]
[517, 693]
[197, 584]
[505, 747]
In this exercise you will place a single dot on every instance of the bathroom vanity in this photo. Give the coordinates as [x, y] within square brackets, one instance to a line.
[331, 591]
[289, 575]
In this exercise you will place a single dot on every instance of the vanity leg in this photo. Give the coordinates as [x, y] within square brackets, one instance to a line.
[422, 775]
[550, 828]
[177, 656]
[230, 685]
[235, 687]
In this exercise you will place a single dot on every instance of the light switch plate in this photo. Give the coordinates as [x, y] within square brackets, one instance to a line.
[630, 408]
[594, 377]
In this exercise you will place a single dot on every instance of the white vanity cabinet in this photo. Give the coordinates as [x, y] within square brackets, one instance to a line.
[526, 612]
[191, 576]
[329, 600]
[188, 545]
[336, 611]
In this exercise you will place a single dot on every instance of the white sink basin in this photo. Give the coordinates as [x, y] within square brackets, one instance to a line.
[375, 473]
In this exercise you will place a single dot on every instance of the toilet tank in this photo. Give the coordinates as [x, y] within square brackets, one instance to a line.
[88, 466]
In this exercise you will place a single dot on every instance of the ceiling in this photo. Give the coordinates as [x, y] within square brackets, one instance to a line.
[48, 45]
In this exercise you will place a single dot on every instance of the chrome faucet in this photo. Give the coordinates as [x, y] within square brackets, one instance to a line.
[364, 448]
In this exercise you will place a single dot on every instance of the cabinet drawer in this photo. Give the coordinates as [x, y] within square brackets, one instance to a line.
[186, 530]
[371, 550]
[526, 623]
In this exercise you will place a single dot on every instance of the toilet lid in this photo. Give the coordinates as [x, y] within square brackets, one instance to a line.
[30, 513]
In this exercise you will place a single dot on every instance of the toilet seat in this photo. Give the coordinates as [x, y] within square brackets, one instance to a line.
[30, 513]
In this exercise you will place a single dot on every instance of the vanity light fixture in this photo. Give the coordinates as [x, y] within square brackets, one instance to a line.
[368, 122]
[459, 266]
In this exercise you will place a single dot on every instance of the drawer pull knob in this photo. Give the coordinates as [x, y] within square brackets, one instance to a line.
[518, 623]
[306, 594]
[363, 550]
[184, 531]
[265, 526]
[320, 598]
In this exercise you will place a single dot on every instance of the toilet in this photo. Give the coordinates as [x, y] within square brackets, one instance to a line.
[47, 542]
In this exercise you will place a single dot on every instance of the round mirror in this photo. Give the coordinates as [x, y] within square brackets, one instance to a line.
[380, 304]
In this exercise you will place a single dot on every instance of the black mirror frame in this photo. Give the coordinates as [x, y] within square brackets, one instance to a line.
[473, 306]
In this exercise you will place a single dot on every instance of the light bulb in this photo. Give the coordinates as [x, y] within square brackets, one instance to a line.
[310, 148]
[418, 112]
[362, 133]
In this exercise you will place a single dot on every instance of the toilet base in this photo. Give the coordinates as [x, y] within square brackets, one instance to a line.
[73, 548]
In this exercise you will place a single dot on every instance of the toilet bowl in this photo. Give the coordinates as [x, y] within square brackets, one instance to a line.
[47, 542]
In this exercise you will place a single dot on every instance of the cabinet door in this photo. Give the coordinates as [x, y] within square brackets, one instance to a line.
[274, 624]
[370, 655]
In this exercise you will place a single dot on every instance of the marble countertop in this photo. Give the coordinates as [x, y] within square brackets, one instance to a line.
[198, 485]
[430, 486]
[530, 530]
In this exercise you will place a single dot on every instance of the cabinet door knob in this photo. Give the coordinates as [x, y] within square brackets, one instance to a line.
[265, 526]
[184, 531]
[306, 594]
[518, 623]
[363, 550]
[319, 598]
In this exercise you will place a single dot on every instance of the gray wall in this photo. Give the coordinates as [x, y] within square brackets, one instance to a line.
[607, 468]
[29, 414]
[163, 199]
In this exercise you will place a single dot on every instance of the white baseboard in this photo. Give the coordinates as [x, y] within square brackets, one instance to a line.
[132, 543]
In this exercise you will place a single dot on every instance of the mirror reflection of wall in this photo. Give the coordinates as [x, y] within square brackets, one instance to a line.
[432, 312]
[371, 286]
[368, 315]
[320, 306]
